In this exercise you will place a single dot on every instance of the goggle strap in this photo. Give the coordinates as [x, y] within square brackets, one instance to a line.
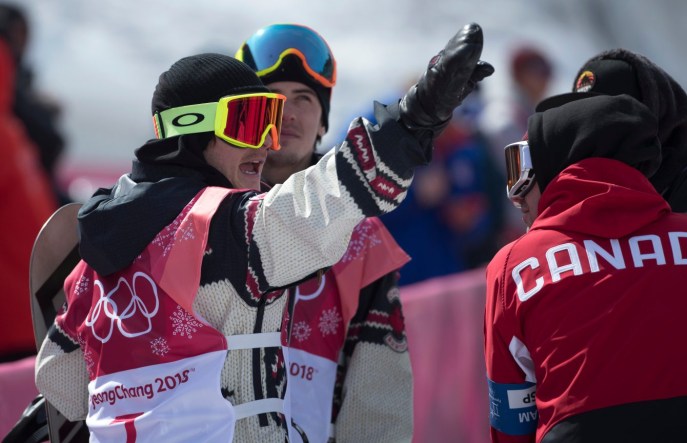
[272, 130]
[190, 119]
[157, 127]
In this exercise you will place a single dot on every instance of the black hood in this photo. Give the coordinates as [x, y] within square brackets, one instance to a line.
[667, 101]
[616, 127]
[116, 224]
[620, 71]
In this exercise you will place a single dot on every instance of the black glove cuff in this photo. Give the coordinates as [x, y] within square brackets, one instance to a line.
[392, 132]
[425, 135]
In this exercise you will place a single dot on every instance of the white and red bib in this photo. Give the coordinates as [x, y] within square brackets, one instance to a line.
[322, 310]
[154, 364]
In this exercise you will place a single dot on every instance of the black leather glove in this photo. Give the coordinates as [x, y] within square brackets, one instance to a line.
[452, 74]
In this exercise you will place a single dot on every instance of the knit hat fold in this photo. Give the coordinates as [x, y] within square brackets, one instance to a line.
[204, 78]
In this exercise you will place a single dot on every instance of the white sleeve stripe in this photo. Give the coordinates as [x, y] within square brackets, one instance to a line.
[522, 357]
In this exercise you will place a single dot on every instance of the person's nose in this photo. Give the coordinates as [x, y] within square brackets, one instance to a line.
[289, 112]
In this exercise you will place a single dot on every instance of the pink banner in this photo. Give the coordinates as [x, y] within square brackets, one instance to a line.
[17, 389]
[444, 323]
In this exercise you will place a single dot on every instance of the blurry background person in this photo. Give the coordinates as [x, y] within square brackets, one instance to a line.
[505, 117]
[453, 216]
[450, 221]
[38, 111]
[27, 201]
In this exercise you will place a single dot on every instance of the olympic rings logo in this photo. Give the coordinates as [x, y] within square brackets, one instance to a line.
[106, 307]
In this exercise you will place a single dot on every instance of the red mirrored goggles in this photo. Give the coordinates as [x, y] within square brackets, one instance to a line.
[241, 120]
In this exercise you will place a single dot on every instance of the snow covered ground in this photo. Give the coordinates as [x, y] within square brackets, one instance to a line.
[102, 59]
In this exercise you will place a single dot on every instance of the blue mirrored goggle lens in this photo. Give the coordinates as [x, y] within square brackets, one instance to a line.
[267, 45]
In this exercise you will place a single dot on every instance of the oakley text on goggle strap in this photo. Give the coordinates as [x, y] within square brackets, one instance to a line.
[242, 120]
[271, 44]
[519, 171]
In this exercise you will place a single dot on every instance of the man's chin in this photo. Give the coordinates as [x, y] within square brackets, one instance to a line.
[278, 158]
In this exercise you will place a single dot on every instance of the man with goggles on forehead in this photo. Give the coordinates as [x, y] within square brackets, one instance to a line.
[299, 57]
[171, 329]
[584, 321]
[364, 374]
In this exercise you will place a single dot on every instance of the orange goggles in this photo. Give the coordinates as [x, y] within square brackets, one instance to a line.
[519, 171]
[241, 120]
[266, 49]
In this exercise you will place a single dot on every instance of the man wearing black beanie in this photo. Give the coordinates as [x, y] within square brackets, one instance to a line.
[298, 55]
[367, 357]
[621, 71]
[173, 328]
[583, 320]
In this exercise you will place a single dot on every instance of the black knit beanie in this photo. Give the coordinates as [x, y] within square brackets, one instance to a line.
[204, 78]
[615, 127]
[197, 79]
[620, 71]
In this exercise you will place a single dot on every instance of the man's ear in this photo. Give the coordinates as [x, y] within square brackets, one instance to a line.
[321, 131]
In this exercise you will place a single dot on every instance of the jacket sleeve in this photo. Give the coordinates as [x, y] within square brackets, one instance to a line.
[374, 385]
[61, 366]
[510, 376]
[305, 224]
[61, 374]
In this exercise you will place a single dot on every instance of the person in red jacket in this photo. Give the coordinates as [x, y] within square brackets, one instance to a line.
[584, 315]
[27, 202]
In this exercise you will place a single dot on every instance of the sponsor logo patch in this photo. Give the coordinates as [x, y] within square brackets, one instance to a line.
[585, 82]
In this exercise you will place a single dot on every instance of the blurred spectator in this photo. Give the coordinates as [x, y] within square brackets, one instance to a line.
[505, 118]
[38, 112]
[417, 227]
[473, 209]
[26, 201]
[451, 219]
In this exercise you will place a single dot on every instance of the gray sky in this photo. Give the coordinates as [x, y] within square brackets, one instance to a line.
[101, 60]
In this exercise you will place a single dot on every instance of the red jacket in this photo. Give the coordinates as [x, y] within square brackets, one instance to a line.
[587, 308]
[27, 202]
